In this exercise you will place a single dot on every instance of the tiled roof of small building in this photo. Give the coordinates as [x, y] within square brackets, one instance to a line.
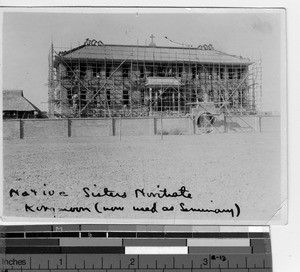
[13, 100]
[148, 53]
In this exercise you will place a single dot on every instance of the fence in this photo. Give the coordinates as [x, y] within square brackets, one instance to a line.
[62, 128]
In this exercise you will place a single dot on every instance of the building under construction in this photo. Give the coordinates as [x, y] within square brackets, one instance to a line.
[99, 80]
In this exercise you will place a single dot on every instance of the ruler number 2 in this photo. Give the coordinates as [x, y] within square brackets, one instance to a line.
[132, 261]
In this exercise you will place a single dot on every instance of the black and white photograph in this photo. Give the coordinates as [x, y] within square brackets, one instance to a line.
[145, 115]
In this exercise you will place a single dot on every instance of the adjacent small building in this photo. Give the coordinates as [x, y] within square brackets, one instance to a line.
[16, 106]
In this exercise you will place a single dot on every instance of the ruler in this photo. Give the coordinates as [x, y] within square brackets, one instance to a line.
[135, 248]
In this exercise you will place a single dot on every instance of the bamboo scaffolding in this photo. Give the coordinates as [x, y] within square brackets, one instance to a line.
[234, 88]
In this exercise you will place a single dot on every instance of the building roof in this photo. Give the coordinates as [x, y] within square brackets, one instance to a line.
[148, 53]
[13, 100]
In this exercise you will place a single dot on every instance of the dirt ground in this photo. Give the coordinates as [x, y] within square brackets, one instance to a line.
[219, 170]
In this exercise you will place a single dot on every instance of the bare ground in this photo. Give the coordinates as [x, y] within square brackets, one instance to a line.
[218, 170]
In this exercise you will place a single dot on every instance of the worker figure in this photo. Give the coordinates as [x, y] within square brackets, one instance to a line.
[206, 97]
[75, 100]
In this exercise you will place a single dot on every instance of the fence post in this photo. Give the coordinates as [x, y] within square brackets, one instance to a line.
[111, 127]
[120, 127]
[161, 128]
[21, 129]
[152, 125]
[259, 123]
[225, 124]
[69, 128]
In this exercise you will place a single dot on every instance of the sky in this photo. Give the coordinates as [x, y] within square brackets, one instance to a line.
[28, 33]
